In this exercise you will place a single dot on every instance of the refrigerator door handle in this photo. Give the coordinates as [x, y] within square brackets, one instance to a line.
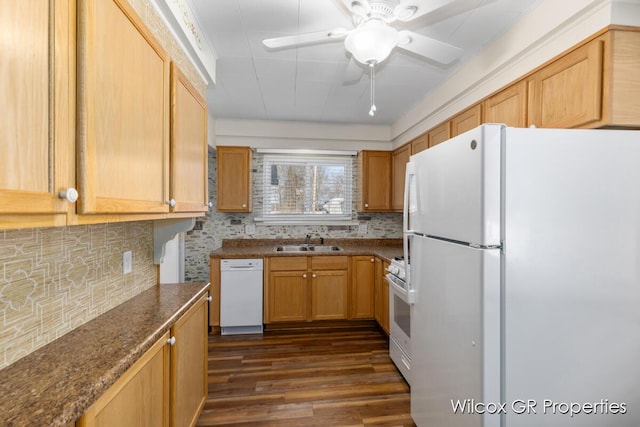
[407, 232]
[410, 173]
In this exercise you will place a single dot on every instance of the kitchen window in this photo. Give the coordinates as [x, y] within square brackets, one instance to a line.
[307, 188]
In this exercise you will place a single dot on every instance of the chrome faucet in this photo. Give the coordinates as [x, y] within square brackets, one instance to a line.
[307, 239]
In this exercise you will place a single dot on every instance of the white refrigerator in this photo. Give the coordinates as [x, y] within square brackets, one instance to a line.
[524, 252]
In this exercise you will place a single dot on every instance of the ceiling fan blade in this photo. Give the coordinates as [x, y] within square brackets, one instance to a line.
[353, 72]
[305, 39]
[441, 52]
[408, 10]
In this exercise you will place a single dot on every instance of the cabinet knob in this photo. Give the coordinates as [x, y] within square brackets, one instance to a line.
[171, 203]
[171, 341]
[70, 195]
[244, 205]
[304, 276]
[366, 205]
[373, 260]
[209, 298]
[313, 275]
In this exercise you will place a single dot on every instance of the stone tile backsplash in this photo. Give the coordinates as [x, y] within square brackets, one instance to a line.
[211, 230]
[53, 280]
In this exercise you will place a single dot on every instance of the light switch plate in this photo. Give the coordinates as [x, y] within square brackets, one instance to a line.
[127, 262]
[362, 229]
[250, 229]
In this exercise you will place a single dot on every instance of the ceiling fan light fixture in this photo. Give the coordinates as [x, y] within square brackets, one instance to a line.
[371, 42]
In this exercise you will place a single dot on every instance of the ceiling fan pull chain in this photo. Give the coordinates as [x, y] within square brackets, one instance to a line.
[372, 110]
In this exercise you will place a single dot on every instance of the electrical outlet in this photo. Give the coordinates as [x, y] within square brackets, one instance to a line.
[250, 229]
[362, 229]
[127, 262]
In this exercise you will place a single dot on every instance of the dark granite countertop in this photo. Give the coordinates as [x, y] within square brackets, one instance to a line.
[259, 248]
[57, 383]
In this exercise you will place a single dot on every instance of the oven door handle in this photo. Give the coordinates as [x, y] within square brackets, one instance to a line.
[407, 296]
[397, 288]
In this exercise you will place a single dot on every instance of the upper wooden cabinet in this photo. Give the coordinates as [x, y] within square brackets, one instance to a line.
[508, 106]
[374, 181]
[233, 179]
[466, 120]
[568, 92]
[123, 112]
[189, 179]
[37, 120]
[419, 144]
[439, 134]
[399, 159]
[595, 85]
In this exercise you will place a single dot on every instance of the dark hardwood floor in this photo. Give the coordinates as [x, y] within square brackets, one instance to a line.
[330, 377]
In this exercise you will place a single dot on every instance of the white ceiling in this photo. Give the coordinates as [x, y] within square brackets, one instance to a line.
[307, 83]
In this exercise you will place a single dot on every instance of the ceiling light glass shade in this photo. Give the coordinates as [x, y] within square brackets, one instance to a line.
[371, 42]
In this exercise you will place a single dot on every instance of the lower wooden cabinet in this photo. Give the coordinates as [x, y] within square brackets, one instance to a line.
[362, 284]
[189, 365]
[139, 397]
[167, 386]
[381, 294]
[301, 289]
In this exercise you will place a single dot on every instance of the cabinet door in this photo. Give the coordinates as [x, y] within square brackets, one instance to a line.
[123, 112]
[374, 173]
[37, 120]
[466, 120]
[362, 285]
[439, 134]
[381, 294]
[139, 397]
[568, 92]
[287, 296]
[509, 106]
[233, 179]
[329, 295]
[189, 179]
[419, 144]
[400, 157]
[385, 298]
[189, 365]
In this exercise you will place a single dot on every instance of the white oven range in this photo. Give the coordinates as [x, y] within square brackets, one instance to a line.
[399, 318]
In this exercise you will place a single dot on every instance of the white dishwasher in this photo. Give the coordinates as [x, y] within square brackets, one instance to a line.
[240, 296]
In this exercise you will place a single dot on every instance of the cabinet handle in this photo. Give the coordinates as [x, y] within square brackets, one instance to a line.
[70, 195]
[304, 276]
[313, 275]
[209, 298]
[171, 203]
[171, 341]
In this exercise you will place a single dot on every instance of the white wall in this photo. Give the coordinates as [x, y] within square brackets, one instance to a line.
[548, 30]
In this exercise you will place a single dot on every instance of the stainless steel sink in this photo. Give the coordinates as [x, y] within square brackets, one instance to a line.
[322, 248]
[307, 248]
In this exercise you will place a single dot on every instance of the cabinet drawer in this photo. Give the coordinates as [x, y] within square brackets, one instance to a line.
[329, 263]
[288, 263]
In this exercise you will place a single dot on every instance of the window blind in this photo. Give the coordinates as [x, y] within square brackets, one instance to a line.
[300, 188]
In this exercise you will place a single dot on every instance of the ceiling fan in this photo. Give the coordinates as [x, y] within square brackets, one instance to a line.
[373, 38]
